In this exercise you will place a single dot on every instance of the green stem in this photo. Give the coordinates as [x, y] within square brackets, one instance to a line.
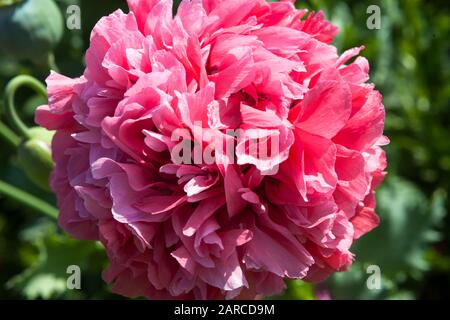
[8, 137]
[52, 62]
[10, 108]
[28, 200]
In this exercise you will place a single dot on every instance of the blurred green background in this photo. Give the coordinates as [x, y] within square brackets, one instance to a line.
[409, 57]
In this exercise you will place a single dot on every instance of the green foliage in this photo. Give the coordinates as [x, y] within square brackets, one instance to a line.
[299, 290]
[408, 225]
[4, 3]
[398, 246]
[46, 277]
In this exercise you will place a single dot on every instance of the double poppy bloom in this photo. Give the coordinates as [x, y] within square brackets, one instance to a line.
[292, 132]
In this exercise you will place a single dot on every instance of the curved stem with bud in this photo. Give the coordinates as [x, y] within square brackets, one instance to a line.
[10, 109]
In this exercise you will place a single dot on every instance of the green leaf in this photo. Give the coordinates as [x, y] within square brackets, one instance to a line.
[353, 284]
[398, 246]
[48, 276]
[408, 226]
[297, 290]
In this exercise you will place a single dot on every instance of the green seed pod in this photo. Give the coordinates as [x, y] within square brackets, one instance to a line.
[35, 158]
[41, 134]
[30, 29]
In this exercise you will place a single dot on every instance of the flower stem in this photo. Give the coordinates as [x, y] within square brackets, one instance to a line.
[52, 62]
[28, 200]
[8, 137]
[10, 108]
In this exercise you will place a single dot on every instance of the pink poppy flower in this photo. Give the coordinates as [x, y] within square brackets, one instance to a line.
[217, 152]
